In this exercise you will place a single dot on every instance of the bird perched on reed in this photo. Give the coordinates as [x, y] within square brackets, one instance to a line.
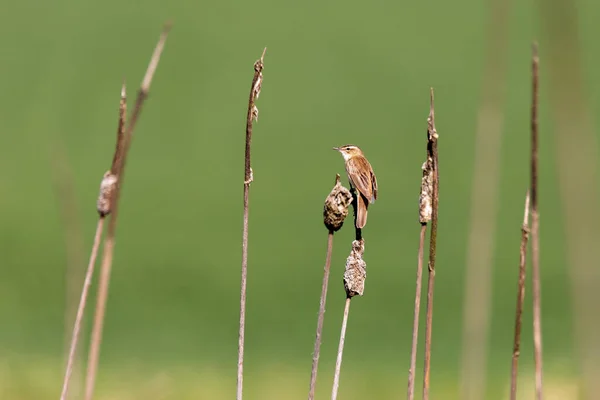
[362, 179]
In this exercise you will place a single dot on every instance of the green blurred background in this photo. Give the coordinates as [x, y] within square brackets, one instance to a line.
[335, 73]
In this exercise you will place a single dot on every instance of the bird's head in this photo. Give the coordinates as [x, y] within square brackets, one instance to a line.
[348, 151]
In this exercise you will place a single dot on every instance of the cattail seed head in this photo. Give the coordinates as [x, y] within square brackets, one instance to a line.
[107, 188]
[336, 206]
[426, 196]
[356, 270]
[256, 86]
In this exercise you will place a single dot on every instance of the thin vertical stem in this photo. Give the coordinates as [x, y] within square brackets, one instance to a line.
[428, 329]
[81, 308]
[535, 231]
[415, 335]
[338, 362]
[124, 139]
[520, 300]
[251, 115]
[432, 151]
[103, 206]
[97, 329]
[240, 365]
[317, 350]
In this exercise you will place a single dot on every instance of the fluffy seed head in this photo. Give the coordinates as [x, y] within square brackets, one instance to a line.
[356, 270]
[336, 206]
[107, 187]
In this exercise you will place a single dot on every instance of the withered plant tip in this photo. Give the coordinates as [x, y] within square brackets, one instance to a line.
[111, 178]
[120, 144]
[124, 135]
[142, 95]
[432, 152]
[252, 115]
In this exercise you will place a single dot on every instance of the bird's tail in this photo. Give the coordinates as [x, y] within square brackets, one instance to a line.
[361, 213]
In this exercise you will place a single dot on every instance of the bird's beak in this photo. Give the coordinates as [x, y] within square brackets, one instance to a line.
[336, 148]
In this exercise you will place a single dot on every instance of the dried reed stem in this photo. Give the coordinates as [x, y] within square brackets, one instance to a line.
[338, 361]
[317, 350]
[125, 134]
[425, 213]
[81, 309]
[535, 230]
[335, 212]
[520, 300]
[96, 339]
[415, 335]
[251, 115]
[354, 285]
[106, 203]
[432, 152]
[104, 207]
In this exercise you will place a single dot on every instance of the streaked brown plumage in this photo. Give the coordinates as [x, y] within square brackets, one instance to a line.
[362, 178]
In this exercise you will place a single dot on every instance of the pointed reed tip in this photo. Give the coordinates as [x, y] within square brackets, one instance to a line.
[123, 89]
[431, 98]
[262, 57]
[431, 106]
[167, 26]
[431, 131]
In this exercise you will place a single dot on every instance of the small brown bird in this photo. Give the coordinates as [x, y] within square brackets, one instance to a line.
[362, 178]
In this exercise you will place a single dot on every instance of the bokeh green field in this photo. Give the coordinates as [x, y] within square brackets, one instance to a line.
[335, 72]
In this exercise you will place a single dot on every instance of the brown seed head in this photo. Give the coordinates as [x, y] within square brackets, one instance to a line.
[336, 206]
[107, 188]
[356, 270]
[426, 196]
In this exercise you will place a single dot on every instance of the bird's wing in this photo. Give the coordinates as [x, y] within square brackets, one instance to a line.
[360, 172]
[374, 180]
